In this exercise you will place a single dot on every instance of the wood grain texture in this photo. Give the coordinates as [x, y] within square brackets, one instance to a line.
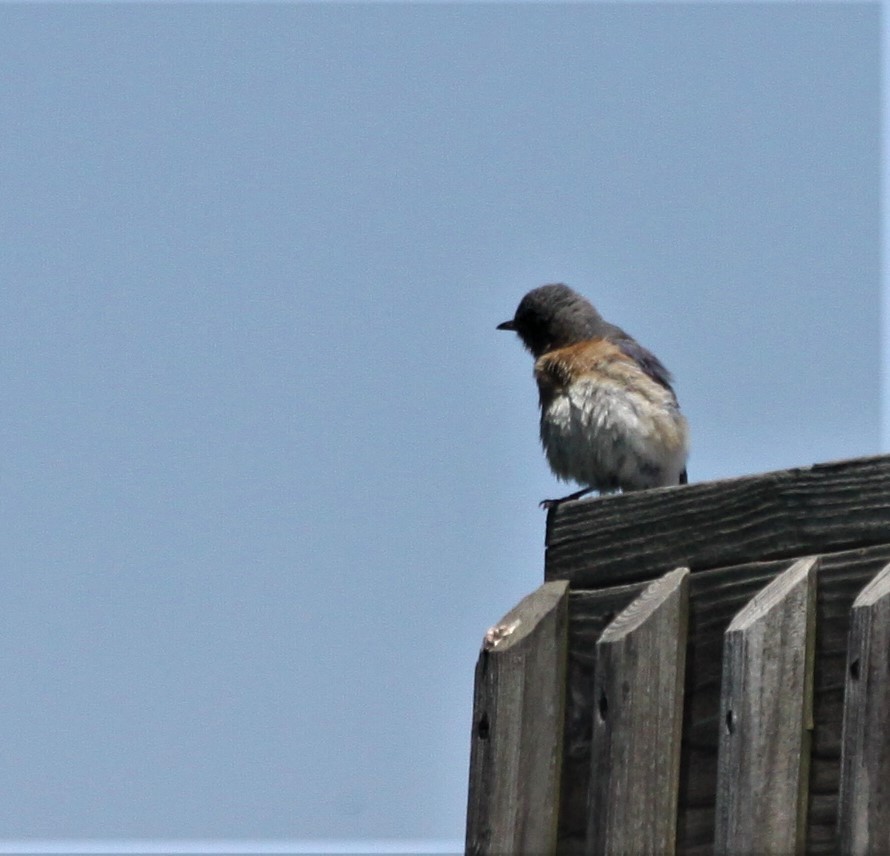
[766, 717]
[518, 715]
[589, 614]
[634, 537]
[638, 693]
[715, 597]
[864, 802]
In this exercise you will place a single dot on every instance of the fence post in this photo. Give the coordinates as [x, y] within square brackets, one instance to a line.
[864, 802]
[637, 722]
[766, 717]
[516, 744]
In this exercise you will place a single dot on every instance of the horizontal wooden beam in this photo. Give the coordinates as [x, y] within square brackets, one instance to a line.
[780, 515]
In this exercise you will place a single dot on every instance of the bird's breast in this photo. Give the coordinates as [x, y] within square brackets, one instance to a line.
[605, 423]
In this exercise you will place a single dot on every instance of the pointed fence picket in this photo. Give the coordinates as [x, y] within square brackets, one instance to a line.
[706, 670]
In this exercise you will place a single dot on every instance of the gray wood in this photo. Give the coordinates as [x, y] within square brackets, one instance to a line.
[634, 537]
[638, 692]
[766, 717]
[518, 716]
[864, 803]
[590, 612]
[715, 597]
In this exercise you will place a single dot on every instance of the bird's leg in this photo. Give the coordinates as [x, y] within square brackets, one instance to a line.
[550, 503]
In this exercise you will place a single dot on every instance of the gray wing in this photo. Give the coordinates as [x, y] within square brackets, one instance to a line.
[645, 359]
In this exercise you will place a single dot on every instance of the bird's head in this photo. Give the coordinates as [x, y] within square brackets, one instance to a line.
[554, 316]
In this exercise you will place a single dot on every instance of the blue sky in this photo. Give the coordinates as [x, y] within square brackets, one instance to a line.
[269, 470]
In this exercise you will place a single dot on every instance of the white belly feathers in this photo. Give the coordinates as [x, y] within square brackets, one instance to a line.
[606, 435]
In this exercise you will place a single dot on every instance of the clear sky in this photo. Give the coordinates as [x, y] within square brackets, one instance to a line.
[269, 471]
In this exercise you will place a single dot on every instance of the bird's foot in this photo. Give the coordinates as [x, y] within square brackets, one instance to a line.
[552, 503]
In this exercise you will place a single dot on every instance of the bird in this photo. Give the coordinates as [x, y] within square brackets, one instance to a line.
[610, 419]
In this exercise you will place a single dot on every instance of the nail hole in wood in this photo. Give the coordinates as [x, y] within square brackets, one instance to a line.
[483, 728]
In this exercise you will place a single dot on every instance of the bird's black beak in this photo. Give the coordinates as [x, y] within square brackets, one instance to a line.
[507, 325]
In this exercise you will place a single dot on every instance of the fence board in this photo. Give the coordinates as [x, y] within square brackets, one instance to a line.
[589, 614]
[766, 714]
[864, 807]
[617, 545]
[715, 596]
[518, 715]
[633, 537]
[640, 662]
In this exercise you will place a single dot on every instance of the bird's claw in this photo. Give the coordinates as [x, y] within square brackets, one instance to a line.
[552, 503]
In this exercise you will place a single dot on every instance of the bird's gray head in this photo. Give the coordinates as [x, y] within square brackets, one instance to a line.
[554, 316]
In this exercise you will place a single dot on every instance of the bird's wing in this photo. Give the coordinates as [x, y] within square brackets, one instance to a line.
[646, 360]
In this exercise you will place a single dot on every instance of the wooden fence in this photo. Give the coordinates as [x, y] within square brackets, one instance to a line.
[705, 670]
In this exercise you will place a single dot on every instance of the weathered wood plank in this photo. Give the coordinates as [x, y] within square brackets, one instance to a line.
[782, 515]
[638, 691]
[589, 614]
[766, 717]
[715, 597]
[864, 802]
[518, 717]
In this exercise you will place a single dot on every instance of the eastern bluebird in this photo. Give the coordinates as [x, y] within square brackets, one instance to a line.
[609, 416]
